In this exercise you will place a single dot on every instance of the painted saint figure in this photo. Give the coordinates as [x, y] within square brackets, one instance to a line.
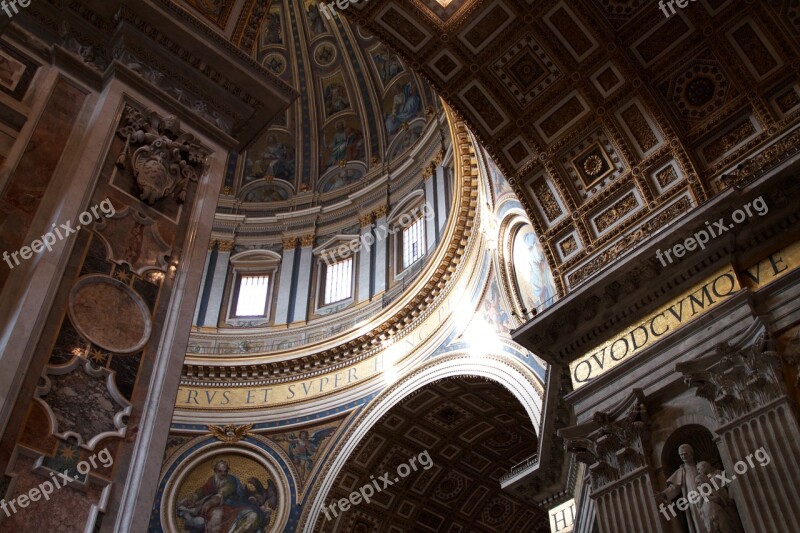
[335, 99]
[303, 447]
[224, 505]
[276, 160]
[406, 105]
[534, 279]
[389, 66]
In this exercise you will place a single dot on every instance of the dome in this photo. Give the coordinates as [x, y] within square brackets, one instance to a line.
[359, 110]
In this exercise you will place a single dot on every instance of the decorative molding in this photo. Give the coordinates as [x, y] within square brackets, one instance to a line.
[365, 220]
[230, 432]
[381, 211]
[617, 443]
[737, 381]
[161, 158]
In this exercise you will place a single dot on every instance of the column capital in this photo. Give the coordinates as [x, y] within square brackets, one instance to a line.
[225, 246]
[289, 243]
[211, 244]
[381, 211]
[365, 220]
[307, 240]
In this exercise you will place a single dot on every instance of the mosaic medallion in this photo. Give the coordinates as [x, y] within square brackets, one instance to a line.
[110, 314]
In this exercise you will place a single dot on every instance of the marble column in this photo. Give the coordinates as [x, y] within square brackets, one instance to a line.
[285, 281]
[615, 449]
[381, 242]
[441, 197]
[628, 506]
[431, 204]
[200, 308]
[218, 279]
[364, 257]
[303, 286]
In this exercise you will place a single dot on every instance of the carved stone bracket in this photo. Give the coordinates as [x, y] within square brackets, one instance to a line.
[613, 444]
[736, 382]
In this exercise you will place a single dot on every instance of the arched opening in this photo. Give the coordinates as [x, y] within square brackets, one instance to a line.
[434, 460]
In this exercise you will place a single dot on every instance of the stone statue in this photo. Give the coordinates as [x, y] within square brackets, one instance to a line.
[681, 483]
[718, 509]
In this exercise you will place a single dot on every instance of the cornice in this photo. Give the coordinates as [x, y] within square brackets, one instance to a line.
[638, 283]
[169, 55]
[422, 295]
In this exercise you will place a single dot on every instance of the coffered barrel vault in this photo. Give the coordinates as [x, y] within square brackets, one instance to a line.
[611, 119]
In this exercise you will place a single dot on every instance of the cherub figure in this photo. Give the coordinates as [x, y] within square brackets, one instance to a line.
[303, 447]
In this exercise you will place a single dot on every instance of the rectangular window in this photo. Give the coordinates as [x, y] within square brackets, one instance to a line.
[413, 242]
[252, 300]
[338, 281]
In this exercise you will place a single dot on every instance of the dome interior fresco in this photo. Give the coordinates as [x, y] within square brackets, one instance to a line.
[359, 109]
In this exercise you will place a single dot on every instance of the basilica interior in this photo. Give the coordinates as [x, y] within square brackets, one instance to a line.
[457, 266]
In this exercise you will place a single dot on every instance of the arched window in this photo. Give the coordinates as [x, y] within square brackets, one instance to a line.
[336, 266]
[252, 282]
[525, 263]
[409, 231]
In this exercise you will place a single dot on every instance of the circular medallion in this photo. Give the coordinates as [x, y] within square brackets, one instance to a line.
[109, 314]
[324, 54]
[275, 63]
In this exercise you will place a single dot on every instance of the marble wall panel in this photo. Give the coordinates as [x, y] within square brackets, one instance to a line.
[24, 190]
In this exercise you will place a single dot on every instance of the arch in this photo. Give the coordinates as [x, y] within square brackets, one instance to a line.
[691, 419]
[408, 200]
[512, 224]
[699, 437]
[283, 189]
[498, 368]
[248, 256]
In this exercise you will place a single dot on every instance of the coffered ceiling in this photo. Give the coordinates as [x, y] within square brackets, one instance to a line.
[474, 431]
[610, 118]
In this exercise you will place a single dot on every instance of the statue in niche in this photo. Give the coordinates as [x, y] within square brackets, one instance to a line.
[681, 483]
[165, 160]
[718, 509]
